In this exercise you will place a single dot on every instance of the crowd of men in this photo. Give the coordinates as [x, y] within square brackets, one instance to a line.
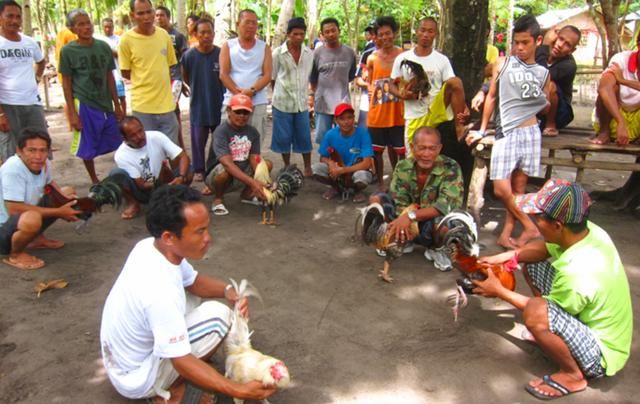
[152, 332]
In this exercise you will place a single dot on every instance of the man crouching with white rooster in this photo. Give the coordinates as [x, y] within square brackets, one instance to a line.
[154, 336]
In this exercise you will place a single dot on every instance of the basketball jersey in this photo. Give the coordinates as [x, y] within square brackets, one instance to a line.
[520, 89]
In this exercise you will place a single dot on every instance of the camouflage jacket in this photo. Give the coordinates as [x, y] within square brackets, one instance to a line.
[443, 189]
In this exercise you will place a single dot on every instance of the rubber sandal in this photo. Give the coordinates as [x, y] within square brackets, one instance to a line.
[546, 379]
[330, 194]
[253, 201]
[359, 198]
[550, 132]
[206, 191]
[219, 210]
[24, 266]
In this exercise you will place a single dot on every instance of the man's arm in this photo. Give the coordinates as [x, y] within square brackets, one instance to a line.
[225, 70]
[237, 173]
[183, 168]
[66, 212]
[490, 100]
[67, 89]
[615, 70]
[39, 70]
[111, 84]
[267, 68]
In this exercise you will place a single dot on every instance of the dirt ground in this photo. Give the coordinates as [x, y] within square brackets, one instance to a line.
[346, 336]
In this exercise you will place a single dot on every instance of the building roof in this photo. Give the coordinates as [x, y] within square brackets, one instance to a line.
[553, 17]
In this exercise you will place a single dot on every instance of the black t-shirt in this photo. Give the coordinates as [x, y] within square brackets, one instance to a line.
[562, 71]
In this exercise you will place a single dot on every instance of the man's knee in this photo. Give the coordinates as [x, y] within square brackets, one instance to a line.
[535, 314]
[502, 189]
[607, 82]
[454, 83]
[30, 222]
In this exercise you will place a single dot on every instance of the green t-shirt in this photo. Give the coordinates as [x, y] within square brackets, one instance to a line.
[88, 67]
[591, 284]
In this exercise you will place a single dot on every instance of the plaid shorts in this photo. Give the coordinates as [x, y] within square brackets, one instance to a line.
[579, 338]
[519, 148]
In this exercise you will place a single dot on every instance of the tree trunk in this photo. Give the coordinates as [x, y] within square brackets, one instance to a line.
[26, 17]
[510, 28]
[286, 12]
[610, 9]
[312, 20]
[181, 19]
[597, 20]
[222, 21]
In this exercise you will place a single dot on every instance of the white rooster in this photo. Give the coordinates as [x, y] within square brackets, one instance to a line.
[245, 364]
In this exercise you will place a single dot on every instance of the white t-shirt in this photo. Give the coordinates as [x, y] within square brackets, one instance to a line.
[626, 61]
[146, 162]
[438, 69]
[19, 184]
[18, 84]
[113, 41]
[144, 319]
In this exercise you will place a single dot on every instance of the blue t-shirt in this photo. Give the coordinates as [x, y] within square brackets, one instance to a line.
[350, 148]
[207, 90]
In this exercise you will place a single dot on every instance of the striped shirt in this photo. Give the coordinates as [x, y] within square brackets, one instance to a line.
[291, 79]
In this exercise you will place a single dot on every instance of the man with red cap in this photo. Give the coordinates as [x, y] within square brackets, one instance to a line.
[580, 314]
[346, 157]
[236, 145]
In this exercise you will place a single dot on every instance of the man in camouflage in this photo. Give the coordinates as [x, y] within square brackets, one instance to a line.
[429, 180]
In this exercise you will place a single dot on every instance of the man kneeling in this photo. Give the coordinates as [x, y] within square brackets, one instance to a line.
[346, 157]
[581, 313]
[26, 211]
[153, 335]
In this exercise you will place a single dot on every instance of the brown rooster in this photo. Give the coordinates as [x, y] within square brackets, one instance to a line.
[278, 192]
[418, 83]
[372, 229]
[106, 192]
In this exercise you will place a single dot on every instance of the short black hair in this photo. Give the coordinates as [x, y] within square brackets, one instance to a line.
[203, 21]
[127, 120]
[166, 209]
[165, 10]
[369, 29]
[385, 21]
[8, 3]
[575, 30]
[329, 20]
[427, 130]
[296, 23]
[132, 4]
[32, 133]
[432, 19]
[527, 23]
[245, 11]
[107, 19]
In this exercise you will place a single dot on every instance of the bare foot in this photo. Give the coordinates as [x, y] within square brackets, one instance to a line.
[571, 383]
[24, 261]
[307, 172]
[382, 188]
[600, 138]
[526, 236]
[41, 242]
[507, 243]
[385, 277]
[131, 212]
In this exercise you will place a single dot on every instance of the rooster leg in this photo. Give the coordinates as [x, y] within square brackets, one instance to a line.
[272, 217]
[264, 216]
[384, 274]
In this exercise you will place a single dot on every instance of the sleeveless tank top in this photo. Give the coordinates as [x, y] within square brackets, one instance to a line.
[520, 94]
[385, 109]
[246, 68]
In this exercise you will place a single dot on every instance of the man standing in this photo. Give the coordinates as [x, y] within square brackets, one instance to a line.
[20, 104]
[236, 144]
[154, 336]
[334, 67]
[201, 71]
[445, 100]
[556, 54]
[146, 53]
[25, 210]
[90, 93]
[580, 313]
[113, 41]
[245, 68]
[145, 160]
[291, 67]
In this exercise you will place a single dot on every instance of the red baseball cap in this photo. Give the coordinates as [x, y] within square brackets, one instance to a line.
[241, 101]
[342, 108]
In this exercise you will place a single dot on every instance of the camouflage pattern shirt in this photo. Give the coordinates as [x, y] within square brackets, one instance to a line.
[442, 190]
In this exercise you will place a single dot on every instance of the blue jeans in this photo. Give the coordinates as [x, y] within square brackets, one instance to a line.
[324, 122]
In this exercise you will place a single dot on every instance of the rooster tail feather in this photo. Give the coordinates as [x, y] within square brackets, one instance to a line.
[106, 192]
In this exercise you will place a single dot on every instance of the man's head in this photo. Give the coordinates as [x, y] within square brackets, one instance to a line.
[426, 146]
[386, 29]
[191, 20]
[80, 24]
[239, 109]
[558, 204]
[107, 26]
[526, 37]
[177, 218]
[427, 32]
[330, 29]
[296, 30]
[142, 13]
[369, 33]
[204, 30]
[33, 148]
[345, 117]
[163, 17]
[565, 45]
[247, 24]
[132, 132]
[10, 17]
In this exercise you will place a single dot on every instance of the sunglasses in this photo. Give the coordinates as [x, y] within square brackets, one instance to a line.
[241, 112]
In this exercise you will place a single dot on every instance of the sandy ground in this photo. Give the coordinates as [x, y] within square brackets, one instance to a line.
[346, 336]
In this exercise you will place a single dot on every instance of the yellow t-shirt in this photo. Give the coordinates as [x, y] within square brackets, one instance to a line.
[148, 57]
[492, 54]
[64, 37]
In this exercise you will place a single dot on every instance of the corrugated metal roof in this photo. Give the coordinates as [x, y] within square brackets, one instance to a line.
[553, 17]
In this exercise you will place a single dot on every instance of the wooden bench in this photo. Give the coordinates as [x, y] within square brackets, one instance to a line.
[574, 140]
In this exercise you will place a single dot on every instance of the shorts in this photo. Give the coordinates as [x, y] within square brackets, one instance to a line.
[425, 236]
[519, 148]
[166, 123]
[19, 116]
[361, 176]
[100, 134]
[388, 137]
[438, 112]
[7, 229]
[234, 184]
[631, 120]
[291, 132]
[580, 340]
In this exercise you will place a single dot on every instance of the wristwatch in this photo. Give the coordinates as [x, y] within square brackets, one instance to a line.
[412, 215]
[254, 91]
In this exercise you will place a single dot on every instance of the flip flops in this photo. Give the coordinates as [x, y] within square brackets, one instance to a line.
[546, 379]
[550, 132]
[25, 266]
[253, 201]
[219, 210]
